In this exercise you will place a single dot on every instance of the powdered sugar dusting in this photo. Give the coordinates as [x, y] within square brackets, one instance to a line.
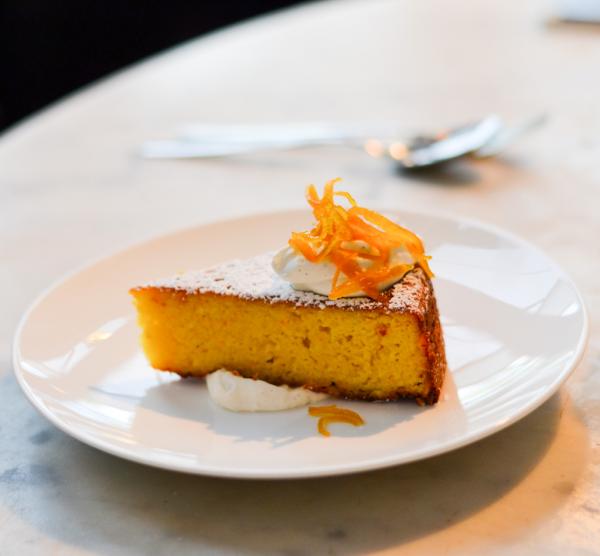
[407, 295]
[255, 279]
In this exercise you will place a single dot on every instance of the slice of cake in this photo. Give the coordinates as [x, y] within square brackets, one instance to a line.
[347, 308]
[243, 316]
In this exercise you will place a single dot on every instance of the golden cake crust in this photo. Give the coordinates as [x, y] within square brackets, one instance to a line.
[255, 279]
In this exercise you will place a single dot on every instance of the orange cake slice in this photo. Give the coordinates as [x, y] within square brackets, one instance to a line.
[242, 316]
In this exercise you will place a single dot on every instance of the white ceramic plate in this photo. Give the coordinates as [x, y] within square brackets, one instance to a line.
[514, 325]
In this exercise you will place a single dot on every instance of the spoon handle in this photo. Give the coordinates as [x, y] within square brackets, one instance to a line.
[183, 148]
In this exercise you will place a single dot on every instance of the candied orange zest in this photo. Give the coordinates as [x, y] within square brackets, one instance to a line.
[336, 277]
[348, 237]
[332, 414]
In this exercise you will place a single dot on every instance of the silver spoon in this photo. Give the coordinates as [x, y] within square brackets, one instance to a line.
[417, 152]
[424, 151]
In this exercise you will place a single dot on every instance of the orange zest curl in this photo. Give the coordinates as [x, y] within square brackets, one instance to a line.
[358, 241]
[332, 414]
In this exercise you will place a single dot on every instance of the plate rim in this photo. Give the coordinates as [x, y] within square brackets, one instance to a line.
[310, 472]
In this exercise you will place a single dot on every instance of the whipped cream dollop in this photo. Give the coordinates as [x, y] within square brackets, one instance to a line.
[304, 275]
[236, 393]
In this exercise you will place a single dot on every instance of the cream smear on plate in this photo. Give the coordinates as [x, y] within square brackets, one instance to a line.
[236, 393]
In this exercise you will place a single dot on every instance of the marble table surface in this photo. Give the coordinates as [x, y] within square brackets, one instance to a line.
[72, 189]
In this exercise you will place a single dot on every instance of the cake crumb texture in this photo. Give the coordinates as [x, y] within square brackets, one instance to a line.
[354, 348]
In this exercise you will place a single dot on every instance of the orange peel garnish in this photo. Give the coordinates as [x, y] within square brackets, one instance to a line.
[332, 414]
[347, 237]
